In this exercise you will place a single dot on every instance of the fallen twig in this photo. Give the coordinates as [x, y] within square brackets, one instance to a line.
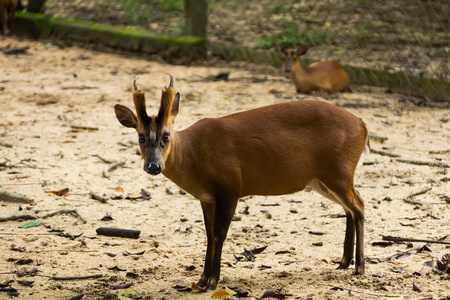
[15, 50]
[384, 153]
[377, 138]
[75, 277]
[7, 145]
[17, 217]
[83, 127]
[98, 197]
[112, 167]
[62, 250]
[400, 239]
[128, 145]
[73, 212]
[80, 87]
[425, 162]
[409, 199]
[370, 294]
[129, 233]
[108, 161]
[11, 197]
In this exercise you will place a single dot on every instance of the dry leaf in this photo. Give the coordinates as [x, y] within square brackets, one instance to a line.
[20, 249]
[118, 189]
[180, 285]
[62, 192]
[121, 286]
[198, 288]
[416, 288]
[230, 291]
[220, 294]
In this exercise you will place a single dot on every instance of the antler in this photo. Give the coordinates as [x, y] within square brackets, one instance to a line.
[139, 102]
[135, 84]
[171, 80]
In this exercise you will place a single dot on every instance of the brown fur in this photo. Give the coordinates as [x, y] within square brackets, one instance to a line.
[272, 150]
[166, 104]
[139, 104]
[327, 76]
[7, 11]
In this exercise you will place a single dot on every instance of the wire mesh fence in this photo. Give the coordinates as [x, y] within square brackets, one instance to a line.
[382, 42]
[402, 42]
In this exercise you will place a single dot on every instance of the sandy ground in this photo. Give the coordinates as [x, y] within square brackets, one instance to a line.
[47, 91]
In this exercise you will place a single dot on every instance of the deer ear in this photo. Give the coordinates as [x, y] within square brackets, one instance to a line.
[302, 49]
[279, 49]
[175, 105]
[125, 116]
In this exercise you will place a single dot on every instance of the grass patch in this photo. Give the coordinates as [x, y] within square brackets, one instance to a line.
[292, 35]
[363, 34]
[278, 8]
[146, 11]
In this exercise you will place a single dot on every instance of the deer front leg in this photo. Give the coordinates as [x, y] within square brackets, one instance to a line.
[209, 210]
[218, 217]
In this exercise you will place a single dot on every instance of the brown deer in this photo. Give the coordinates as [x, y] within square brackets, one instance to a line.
[327, 76]
[7, 11]
[273, 150]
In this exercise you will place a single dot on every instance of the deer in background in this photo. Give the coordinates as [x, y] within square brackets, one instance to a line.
[7, 11]
[273, 150]
[327, 76]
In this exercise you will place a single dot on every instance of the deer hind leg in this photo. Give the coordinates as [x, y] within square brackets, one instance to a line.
[11, 14]
[218, 217]
[353, 205]
[4, 18]
[354, 210]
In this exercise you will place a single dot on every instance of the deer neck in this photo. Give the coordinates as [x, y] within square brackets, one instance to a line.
[179, 162]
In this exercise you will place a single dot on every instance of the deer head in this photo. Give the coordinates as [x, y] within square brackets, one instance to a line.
[154, 131]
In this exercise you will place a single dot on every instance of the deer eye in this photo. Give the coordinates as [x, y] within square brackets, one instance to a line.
[141, 138]
[165, 139]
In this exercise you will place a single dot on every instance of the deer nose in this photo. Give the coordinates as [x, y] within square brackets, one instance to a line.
[153, 168]
[288, 69]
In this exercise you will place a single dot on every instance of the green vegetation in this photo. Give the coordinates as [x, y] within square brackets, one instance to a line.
[138, 12]
[292, 35]
[278, 8]
[364, 34]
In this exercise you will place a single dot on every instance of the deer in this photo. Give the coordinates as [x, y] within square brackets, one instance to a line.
[272, 150]
[327, 76]
[7, 11]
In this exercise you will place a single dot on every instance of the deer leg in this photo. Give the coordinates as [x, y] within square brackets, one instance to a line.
[11, 15]
[224, 214]
[4, 18]
[359, 223]
[217, 220]
[353, 205]
[348, 242]
[209, 210]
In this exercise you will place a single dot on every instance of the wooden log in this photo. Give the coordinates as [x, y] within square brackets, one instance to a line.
[128, 233]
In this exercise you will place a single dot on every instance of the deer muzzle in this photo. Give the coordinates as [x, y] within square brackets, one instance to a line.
[153, 168]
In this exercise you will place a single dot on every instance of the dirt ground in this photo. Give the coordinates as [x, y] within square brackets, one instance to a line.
[47, 92]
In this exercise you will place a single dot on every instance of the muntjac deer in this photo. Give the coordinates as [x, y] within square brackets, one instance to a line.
[7, 11]
[272, 150]
[327, 76]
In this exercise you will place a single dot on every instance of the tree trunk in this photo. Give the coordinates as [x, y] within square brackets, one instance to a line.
[196, 17]
[36, 6]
